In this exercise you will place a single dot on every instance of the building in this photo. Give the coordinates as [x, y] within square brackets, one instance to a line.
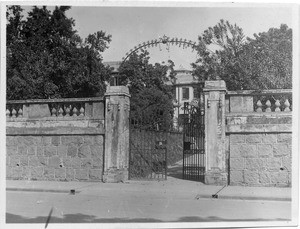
[186, 89]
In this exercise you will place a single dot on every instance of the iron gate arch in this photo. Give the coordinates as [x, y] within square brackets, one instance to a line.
[165, 40]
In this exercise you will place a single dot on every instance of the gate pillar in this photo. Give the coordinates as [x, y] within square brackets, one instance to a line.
[214, 97]
[116, 155]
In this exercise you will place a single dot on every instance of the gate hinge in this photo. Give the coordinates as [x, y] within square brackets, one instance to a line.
[219, 100]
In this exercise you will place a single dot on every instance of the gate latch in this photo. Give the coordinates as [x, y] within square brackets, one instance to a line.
[160, 144]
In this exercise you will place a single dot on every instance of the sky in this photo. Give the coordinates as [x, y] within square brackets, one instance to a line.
[130, 26]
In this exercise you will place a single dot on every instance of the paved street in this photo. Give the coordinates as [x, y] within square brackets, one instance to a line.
[138, 202]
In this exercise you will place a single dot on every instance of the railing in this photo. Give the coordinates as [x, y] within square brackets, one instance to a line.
[55, 108]
[259, 101]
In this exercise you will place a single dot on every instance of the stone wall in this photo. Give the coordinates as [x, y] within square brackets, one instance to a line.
[258, 143]
[54, 157]
[260, 159]
[88, 139]
[55, 139]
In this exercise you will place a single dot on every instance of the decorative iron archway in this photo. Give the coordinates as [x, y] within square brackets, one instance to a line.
[163, 40]
[184, 43]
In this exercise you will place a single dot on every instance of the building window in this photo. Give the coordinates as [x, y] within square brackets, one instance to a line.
[196, 92]
[185, 93]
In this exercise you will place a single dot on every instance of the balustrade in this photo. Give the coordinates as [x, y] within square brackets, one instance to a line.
[57, 108]
[279, 106]
[259, 101]
[14, 111]
[67, 110]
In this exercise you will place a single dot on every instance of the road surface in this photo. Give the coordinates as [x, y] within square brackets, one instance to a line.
[122, 205]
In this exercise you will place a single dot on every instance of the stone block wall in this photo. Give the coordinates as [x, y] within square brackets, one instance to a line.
[260, 159]
[55, 157]
[61, 140]
[259, 143]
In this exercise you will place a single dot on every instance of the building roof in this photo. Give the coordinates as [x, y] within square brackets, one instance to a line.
[184, 76]
[182, 69]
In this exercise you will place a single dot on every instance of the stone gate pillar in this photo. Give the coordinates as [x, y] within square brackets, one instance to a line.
[116, 155]
[214, 97]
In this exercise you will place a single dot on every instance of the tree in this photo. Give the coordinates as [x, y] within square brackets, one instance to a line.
[47, 59]
[268, 58]
[152, 109]
[244, 63]
[151, 96]
[227, 40]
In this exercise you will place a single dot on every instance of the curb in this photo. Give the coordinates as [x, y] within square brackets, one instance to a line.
[199, 196]
[40, 190]
[244, 198]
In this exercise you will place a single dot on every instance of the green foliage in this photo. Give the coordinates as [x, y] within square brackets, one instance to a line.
[47, 59]
[138, 73]
[152, 108]
[261, 63]
[269, 58]
[151, 96]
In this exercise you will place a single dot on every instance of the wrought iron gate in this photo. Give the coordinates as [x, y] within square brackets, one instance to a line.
[193, 140]
[148, 146]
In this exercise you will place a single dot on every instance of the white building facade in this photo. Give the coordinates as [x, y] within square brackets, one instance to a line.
[186, 89]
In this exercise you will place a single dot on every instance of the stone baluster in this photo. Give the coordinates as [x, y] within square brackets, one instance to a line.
[75, 112]
[14, 113]
[7, 113]
[68, 111]
[20, 113]
[60, 112]
[81, 111]
[53, 112]
[287, 105]
[268, 104]
[259, 106]
[277, 106]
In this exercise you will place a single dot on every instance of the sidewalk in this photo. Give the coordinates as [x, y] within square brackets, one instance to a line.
[176, 187]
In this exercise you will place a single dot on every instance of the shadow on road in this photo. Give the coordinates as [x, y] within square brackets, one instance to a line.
[175, 171]
[81, 218]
